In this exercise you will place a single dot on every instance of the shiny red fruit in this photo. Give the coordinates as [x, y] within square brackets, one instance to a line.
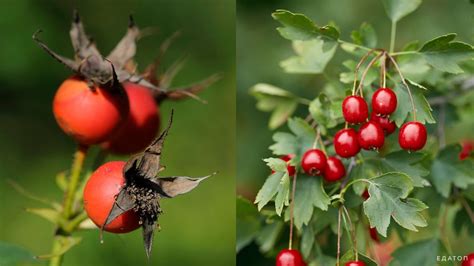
[384, 122]
[373, 234]
[467, 148]
[469, 261]
[313, 162]
[291, 169]
[141, 125]
[99, 196]
[289, 257]
[384, 102]
[355, 263]
[88, 115]
[366, 194]
[334, 170]
[355, 110]
[370, 136]
[345, 143]
[412, 136]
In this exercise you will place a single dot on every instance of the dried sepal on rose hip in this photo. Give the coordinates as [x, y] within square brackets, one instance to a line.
[143, 189]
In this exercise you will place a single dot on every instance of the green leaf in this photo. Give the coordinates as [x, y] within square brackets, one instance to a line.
[414, 67]
[285, 143]
[420, 253]
[66, 243]
[49, 214]
[445, 54]
[462, 220]
[309, 194]
[61, 181]
[14, 255]
[397, 9]
[247, 222]
[388, 198]
[408, 163]
[282, 197]
[404, 107]
[307, 240]
[325, 112]
[350, 256]
[276, 164]
[348, 77]
[304, 133]
[299, 27]
[447, 171]
[268, 236]
[269, 189]
[365, 36]
[273, 99]
[310, 57]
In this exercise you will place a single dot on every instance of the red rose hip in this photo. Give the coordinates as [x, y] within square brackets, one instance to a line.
[384, 122]
[99, 196]
[289, 257]
[291, 169]
[313, 162]
[370, 136]
[469, 261]
[412, 136]
[345, 143]
[90, 116]
[384, 102]
[355, 110]
[141, 125]
[334, 170]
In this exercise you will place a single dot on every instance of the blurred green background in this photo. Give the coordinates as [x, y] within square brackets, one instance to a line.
[197, 228]
[260, 48]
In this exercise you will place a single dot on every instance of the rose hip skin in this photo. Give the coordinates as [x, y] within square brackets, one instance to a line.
[467, 147]
[355, 110]
[141, 125]
[370, 136]
[313, 162]
[412, 136]
[384, 122]
[289, 257]
[345, 143]
[291, 169]
[90, 116]
[334, 170]
[384, 102]
[355, 263]
[469, 261]
[99, 196]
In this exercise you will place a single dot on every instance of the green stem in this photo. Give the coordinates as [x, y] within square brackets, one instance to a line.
[393, 33]
[403, 53]
[75, 222]
[57, 245]
[77, 165]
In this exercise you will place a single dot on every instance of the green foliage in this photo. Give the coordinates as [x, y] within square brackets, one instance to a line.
[312, 57]
[397, 9]
[404, 108]
[247, 224]
[350, 256]
[420, 253]
[448, 171]
[445, 54]
[365, 36]
[326, 112]
[310, 194]
[296, 143]
[388, 199]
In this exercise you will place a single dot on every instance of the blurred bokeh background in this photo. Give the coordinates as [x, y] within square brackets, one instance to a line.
[197, 228]
[260, 48]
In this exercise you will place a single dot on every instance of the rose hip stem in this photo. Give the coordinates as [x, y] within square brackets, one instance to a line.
[353, 236]
[292, 209]
[383, 71]
[356, 71]
[364, 74]
[404, 83]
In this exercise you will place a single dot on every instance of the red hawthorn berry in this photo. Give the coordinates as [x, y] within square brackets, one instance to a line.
[88, 115]
[355, 110]
[291, 169]
[412, 136]
[469, 261]
[384, 102]
[290, 257]
[366, 194]
[334, 170]
[141, 125]
[373, 234]
[313, 162]
[467, 147]
[384, 122]
[345, 143]
[355, 263]
[99, 196]
[370, 136]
